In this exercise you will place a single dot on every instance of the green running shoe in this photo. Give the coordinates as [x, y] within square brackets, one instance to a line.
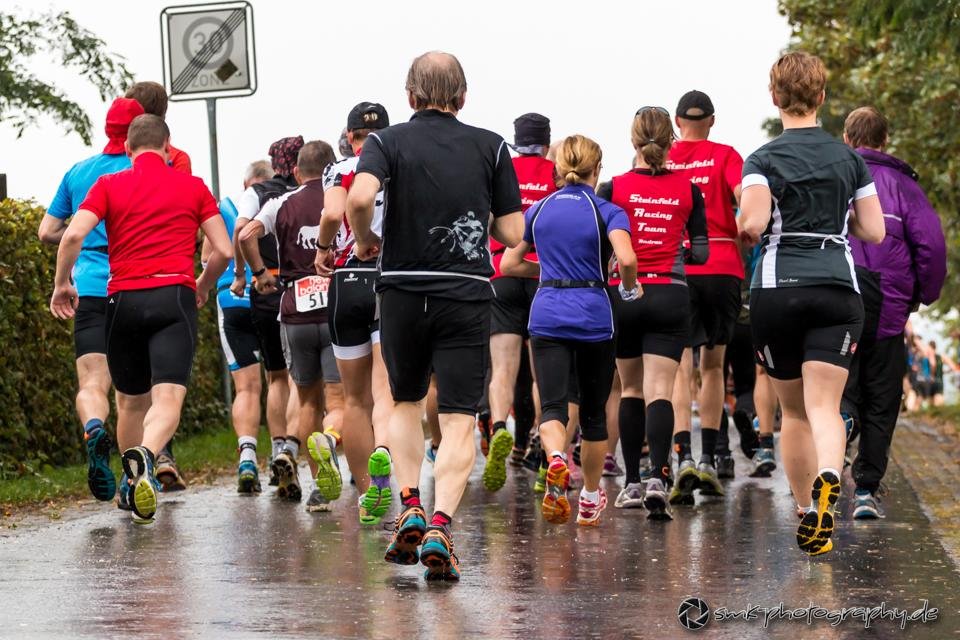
[376, 501]
[687, 480]
[495, 471]
[540, 486]
[323, 450]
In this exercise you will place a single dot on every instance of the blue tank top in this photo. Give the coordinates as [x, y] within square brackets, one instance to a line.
[225, 297]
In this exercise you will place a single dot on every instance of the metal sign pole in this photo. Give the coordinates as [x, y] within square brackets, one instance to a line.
[215, 188]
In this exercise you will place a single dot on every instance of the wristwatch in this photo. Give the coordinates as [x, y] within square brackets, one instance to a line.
[259, 272]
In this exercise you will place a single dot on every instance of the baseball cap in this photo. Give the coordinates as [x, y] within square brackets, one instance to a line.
[368, 115]
[531, 129]
[283, 154]
[121, 113]
[694, 105]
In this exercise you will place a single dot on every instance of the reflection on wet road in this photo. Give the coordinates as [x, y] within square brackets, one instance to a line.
[217, 565]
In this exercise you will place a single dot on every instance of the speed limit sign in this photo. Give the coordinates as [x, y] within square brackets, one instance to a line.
[208, 50]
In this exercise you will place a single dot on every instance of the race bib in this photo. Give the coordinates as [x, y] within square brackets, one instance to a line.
[310, 293]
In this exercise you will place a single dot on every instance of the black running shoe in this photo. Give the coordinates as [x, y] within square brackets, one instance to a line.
[725, 466]
[749, 441]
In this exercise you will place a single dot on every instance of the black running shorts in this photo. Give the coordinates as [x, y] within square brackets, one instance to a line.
[795, 324]
[423, 334]
[238, 338]
[656, 324]
[352, 307]
[90, 326]
[510, 312]
[714, 307]
[151, 337]
[267, 326]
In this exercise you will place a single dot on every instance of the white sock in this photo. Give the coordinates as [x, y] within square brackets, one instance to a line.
[590, 496]
[829, 470]
[385, 450]
[293, 447]
[553, 454]
[276, 446]
[248, 452]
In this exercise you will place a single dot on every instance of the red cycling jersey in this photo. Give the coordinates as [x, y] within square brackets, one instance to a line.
[536, 176]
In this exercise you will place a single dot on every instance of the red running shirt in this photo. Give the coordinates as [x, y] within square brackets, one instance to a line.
[716, 169]
[536, 176]
[152, 213]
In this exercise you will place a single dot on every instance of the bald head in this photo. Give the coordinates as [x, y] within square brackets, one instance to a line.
[436, 81]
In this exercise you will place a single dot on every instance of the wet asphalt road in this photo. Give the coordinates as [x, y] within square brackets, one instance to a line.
[219, 565]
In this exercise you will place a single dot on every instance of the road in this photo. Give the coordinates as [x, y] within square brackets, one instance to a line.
[219, 565]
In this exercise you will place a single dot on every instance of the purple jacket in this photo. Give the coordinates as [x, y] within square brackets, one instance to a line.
[912, 259]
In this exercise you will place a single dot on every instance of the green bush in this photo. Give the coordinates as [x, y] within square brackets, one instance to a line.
[38, 421]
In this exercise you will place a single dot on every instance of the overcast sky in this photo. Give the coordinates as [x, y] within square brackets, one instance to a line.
[587, 66]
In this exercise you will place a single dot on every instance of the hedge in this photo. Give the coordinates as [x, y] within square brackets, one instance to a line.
[38, 420]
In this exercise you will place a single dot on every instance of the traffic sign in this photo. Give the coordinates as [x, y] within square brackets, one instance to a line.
[208, 50]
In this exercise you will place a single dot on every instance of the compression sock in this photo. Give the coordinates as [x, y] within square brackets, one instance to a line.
[708, 443]
[633, 419]
[766, 441]
[410, 497]
[248, 448]
[93, 424]
[292, 445]
[681, 442]
[659, 429]
[440, 519]
[276, 446]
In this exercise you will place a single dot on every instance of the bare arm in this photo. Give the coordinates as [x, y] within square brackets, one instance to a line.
[220, 254]
[63, 302]
[755, 203]
[51, 229]
[360, 203]
[239, 263]
[334, 210]
[513, 263]
[626, 258]
[508, 229]
[867, 222]
[250, 246]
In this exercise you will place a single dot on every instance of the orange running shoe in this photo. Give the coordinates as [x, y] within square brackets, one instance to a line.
[556, 507]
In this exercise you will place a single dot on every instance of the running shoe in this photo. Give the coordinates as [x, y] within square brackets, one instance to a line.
[709, 482]
[764, 463]
[655, 500]
[317, 503]
[376, 501]
[288, 481]
[646, 469]
[816, 526]
[248, 478]
[495, 470]
[438, 557]
[483, 426]
[123, 493]
[725, 466]
[555, 507]
[144, 485]
[408, 533]
[100, 478]
[167, 472]
[630, 497]
[540, 484]
[589, 515]
[577, 451]
[531, 460]
[851, 430]
[749, 440]
[687, 481]
[516, 456]
[432, 453]
[274, 478]
[866, 506]
[610, 467]
[323, 450]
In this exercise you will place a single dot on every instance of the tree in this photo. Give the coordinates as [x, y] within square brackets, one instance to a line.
[24, 98]
[903, 57]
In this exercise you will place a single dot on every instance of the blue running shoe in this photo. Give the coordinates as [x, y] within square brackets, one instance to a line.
[123, 495]
[410, 528]
[432, 453]
[100, 478]
[248, 478]
[866, 506]
[437, 556]
[145, 488]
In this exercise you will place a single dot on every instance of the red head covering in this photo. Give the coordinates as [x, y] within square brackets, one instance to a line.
[119, 116]
[283, 154]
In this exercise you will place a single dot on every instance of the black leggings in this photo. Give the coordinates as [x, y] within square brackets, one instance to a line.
[523, 410]
[593, 363]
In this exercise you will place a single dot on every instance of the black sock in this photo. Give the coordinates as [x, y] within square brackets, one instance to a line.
[708, 443]
[723, 439]
[498, 425]
[659, 430]
[633, 429]
[681, 444]
[766, 441]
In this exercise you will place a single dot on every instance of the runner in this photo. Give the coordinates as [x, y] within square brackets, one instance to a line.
[652, 332]
[294, 219]
[806, 312]
[908, 267]
[571, 319]
[265, 309]
[714, 287]
[152, 214]
[354, 328]
[90, 278]
[442, 180]
[511, 306]
[154, 100]
[241, 348]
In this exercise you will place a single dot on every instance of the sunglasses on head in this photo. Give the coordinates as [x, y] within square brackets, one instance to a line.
[660, 109]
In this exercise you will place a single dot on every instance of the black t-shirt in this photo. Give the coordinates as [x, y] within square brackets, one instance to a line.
[814, 179]
[442, 179]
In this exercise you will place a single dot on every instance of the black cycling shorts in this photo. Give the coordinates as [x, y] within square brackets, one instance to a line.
[267, 326]
[423, 334]
[656, 324]
[238, 338]
[90, 326]
[792, 325]
[714, 308]
[352, 307]
[151, 337]
[510, 312]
